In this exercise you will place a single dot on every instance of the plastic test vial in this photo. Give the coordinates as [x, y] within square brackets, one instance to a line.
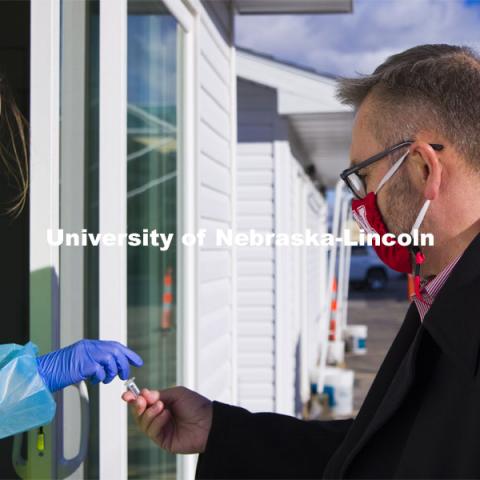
[131, 385]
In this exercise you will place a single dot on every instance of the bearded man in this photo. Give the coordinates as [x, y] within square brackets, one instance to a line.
[415, 158]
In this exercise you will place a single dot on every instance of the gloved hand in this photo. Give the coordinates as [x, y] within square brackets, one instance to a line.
[95, 360]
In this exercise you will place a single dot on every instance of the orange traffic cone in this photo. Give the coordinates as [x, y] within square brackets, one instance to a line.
[333, 310]
[166, 322]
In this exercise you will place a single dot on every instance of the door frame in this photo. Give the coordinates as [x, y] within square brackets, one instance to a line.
[44, 206]
[113, 300]
[113, 455]
[45, 209]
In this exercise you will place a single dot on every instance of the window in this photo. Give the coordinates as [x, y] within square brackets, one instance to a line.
[152, 204]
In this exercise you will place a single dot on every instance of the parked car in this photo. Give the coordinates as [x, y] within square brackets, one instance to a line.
[366, 269]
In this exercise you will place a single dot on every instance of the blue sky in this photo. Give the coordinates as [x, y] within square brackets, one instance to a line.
[348, 44]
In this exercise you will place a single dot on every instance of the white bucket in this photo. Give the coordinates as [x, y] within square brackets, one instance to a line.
[339, 388]
[336, 352]
[356, 337]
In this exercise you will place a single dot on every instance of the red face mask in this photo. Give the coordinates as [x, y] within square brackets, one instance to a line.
[368, 217]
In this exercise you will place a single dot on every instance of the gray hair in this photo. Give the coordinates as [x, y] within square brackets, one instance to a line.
[427, 87]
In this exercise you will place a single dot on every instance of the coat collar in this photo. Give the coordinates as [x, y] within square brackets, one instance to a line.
[387, 393]
[453, 320]
[454, 323]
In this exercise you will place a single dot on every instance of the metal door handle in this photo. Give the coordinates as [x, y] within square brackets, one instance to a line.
[19, 463]
[66, 466]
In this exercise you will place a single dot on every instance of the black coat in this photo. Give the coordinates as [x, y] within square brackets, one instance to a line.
[420, 419]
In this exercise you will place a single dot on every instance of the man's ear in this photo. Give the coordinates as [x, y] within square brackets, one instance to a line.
[430, 168]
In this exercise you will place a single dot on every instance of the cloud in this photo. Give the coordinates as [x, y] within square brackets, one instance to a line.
[152, 72]
[358, 42]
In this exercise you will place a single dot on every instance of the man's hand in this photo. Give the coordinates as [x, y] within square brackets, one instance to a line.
[176, 419]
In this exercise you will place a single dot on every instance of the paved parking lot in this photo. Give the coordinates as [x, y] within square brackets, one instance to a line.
[383, 313]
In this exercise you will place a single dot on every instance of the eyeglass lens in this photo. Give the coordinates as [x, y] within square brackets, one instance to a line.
[357, 186]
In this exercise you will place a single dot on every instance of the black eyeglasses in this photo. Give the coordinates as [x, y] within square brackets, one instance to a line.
[355, 182]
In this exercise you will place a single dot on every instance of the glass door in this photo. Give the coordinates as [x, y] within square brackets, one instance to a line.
[137, 190]
[152, 79]
[105, 139]
[64, 148]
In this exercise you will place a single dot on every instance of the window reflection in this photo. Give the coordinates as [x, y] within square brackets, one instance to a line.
[151, 204]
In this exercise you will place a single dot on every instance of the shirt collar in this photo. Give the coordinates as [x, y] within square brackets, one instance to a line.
[430, 288]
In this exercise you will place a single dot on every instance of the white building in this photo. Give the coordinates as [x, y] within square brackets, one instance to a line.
[138, 121]
[288, 119]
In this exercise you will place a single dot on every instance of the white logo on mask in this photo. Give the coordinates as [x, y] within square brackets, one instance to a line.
[360, 216]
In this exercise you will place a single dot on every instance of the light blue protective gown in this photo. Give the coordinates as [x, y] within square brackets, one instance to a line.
[25, 401]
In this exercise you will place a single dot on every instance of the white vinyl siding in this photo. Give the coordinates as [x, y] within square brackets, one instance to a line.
[290, 287]
[255, 265]
[215, 137]
[279, 289]
[316, 278]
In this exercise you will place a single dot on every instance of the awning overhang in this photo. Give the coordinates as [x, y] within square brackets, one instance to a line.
[321, 124]
[293, 7]
[325, 139]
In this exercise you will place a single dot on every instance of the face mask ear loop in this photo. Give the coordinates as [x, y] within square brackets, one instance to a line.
[421, 216]
[390, 173]
[419, 256]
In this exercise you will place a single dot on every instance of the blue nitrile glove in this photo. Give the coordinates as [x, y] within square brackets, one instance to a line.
[95, 360]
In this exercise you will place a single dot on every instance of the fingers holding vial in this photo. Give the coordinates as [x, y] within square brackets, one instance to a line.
[145, 403]
[132, 387]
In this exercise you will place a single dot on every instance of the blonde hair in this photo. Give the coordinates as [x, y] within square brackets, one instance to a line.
[13, 149]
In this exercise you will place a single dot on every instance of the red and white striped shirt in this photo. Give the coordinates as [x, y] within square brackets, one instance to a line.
[430, 288]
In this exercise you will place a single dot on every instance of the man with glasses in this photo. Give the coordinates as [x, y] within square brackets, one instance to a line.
[415, 157]
[369, 217]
